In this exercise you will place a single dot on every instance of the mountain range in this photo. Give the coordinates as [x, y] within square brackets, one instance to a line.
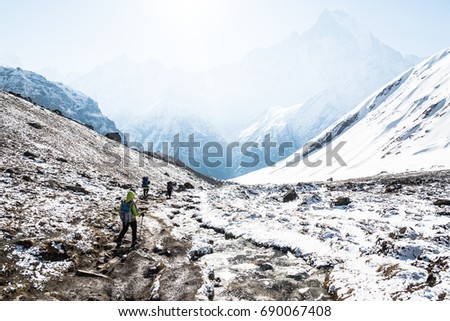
[401, 127]
[292, 90]
[328, 70]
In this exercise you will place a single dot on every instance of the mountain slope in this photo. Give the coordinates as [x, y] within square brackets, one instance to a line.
[61, 185]
[294, 125]
[339, 59]
[58, 96]
[403, 126]
[156, 130]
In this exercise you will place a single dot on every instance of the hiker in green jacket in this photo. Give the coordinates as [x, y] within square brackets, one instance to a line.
[129, 220]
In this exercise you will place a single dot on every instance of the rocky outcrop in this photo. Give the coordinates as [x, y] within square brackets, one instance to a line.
[55, 96]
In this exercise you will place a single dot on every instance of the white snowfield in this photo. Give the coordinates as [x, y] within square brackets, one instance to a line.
[382, 246]
[404, 126]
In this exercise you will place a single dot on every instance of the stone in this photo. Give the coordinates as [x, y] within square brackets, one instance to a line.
[393, 188]
[290, 196]
[342, 201]
[266, 267]
[30, 155]
[197, 253]
[442, 202]
[77, 189]
[153, 270]
[115, 136]
[36, 125]
[188, 185]
[27, 243]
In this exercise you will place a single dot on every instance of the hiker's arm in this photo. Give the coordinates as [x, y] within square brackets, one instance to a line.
[135, 210]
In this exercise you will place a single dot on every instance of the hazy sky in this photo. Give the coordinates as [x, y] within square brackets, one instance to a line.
[197, 34]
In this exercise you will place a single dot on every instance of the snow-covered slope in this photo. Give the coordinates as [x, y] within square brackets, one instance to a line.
[61, 185]
[401, 127]
[339, 59]
[156, 128]
[70, 102]
[294, 125]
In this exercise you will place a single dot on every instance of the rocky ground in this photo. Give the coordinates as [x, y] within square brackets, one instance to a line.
[379, 238]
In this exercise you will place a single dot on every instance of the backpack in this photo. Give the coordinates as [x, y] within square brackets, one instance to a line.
[125, 212]
[145, 181]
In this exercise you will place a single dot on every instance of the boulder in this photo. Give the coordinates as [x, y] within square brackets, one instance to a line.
[27, 178]
[35, 125]
[290, 196]
[77, 189]
[115, 136]
[30, 155]
[266, 267]
[26, 243]
[188, 185]
[442, 202]
[342, 201]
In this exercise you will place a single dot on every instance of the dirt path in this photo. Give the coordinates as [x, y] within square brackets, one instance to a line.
[157, 270]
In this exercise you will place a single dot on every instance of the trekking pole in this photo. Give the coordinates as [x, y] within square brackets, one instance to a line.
[140, 230]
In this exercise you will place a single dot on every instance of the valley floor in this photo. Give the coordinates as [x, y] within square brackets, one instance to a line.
[388, 240]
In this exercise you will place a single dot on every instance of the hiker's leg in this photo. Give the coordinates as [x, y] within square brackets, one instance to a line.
[123, 232]
[134, 231]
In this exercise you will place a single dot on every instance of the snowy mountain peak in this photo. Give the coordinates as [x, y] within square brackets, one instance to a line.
[401, 127]
[337, 24]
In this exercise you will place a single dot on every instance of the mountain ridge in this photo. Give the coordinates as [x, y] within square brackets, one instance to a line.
[55, 96]
[399, 127]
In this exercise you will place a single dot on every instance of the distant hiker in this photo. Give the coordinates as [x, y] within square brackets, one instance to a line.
[169, 189]
[128, 214]
[145, 184]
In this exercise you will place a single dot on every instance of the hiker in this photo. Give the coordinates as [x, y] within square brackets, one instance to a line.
[128, 214]
[145, 187]
[169, 189]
